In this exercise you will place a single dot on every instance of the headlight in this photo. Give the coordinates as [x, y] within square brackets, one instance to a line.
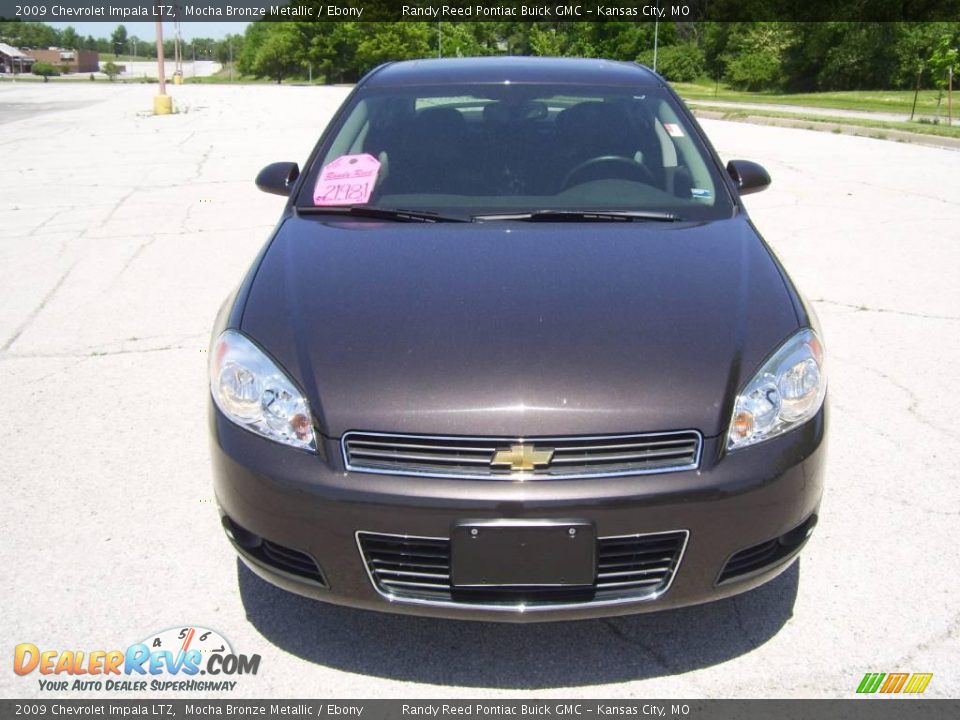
[253, 392]
[786, 392]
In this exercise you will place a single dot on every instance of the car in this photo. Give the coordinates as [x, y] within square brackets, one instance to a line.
[516, 352]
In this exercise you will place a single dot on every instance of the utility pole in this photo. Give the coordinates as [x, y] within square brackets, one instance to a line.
[656, 38]
[230, 45]
[950, 97]
[162, 103]
[916, 92]
[439, 39]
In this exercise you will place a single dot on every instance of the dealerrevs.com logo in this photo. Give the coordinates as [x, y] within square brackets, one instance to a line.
[170, 660]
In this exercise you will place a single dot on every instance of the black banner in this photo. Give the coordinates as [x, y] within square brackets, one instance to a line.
[119, 11]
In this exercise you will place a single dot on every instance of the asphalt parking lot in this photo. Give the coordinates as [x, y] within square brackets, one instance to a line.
[120, 235]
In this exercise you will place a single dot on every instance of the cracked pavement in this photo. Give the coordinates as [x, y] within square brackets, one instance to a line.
[120, 235]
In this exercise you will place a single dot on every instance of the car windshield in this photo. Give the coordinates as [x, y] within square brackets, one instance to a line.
[499, 150]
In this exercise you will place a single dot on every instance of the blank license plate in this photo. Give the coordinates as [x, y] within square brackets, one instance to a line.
[523, 553]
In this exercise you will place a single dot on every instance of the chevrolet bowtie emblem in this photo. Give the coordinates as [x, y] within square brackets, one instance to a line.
[522, 457]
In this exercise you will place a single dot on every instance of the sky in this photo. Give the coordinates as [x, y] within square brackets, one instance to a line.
[146, 30]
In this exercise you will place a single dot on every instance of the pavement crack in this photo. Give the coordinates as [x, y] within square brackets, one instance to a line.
[130, 260]
[116, 207]
[618, 633]
[36, 311]
[951, 632]
[202, 162]
[891, 311]
[913, 408]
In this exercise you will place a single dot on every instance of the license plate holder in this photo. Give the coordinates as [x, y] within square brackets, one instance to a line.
[523, 553]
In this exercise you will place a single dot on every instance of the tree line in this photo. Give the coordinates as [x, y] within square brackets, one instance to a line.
[758, 56]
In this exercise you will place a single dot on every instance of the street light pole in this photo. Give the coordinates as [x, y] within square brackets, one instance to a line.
[162, 103]
[656, 37]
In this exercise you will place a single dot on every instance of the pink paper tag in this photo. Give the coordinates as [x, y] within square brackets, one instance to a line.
[348, 180]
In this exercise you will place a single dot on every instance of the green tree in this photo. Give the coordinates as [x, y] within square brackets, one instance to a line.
[70, 39]
[943, 59]
[45, 70]
[331, 48]
[678, 63]
[459, 39]
[118, 40]
[757, 61]
[383, 42]
[545, 41]
[28, 34]
[278, 54]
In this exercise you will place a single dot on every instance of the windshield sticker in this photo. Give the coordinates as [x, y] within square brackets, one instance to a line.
[701, 193]
[673, 130]
[348, 180]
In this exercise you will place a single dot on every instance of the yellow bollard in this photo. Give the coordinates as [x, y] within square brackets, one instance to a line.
[162, 105]
[178, 79]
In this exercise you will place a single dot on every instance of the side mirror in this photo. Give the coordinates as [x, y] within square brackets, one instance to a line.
[749, 177]
[277, 178]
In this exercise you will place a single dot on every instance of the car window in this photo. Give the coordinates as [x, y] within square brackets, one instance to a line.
[478, 149]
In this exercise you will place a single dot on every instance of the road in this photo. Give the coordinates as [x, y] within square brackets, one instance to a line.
[120, 235]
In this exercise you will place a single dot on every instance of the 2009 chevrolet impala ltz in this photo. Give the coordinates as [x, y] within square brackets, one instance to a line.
[515, 351]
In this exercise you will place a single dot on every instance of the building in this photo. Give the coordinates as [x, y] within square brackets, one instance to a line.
[13, 60]
[69, 61]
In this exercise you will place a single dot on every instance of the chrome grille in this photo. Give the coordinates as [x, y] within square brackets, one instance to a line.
[573, 457]
[417, 569]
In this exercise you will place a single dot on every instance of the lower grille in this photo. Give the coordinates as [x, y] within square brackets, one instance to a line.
[271, 554]
[549, 457]
[629, 568]
[765, 555]
[290, 560]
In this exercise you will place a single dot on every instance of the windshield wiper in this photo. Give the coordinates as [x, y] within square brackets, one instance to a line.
[583, 216]
[378, 213]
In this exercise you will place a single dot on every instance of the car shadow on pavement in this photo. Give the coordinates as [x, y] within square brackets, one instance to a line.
[518, 656]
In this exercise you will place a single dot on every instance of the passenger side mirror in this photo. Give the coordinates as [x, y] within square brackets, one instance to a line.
[277, 178]
[749, 177]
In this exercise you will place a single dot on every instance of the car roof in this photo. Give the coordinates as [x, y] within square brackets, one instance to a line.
[498, 70]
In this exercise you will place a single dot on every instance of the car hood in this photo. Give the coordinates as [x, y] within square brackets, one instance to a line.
[519, 329]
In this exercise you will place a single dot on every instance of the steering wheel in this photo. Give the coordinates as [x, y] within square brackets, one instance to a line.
[628, 164]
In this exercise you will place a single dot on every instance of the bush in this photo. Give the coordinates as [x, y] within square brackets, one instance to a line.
[755, 71]
[677, 63]
[45, 70]
[111, 70]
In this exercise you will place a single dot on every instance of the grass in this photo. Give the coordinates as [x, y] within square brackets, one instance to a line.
[921, 128]
[892, 101]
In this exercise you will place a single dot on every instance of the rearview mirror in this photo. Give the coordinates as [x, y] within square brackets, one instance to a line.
[277, 178]
[749, 177]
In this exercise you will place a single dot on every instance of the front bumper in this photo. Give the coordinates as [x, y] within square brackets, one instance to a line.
[311, 504]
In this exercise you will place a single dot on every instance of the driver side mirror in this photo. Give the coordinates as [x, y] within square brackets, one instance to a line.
[749, 177]
[278, 178]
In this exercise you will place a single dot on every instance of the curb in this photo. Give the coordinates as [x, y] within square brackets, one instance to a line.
[875, 133]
